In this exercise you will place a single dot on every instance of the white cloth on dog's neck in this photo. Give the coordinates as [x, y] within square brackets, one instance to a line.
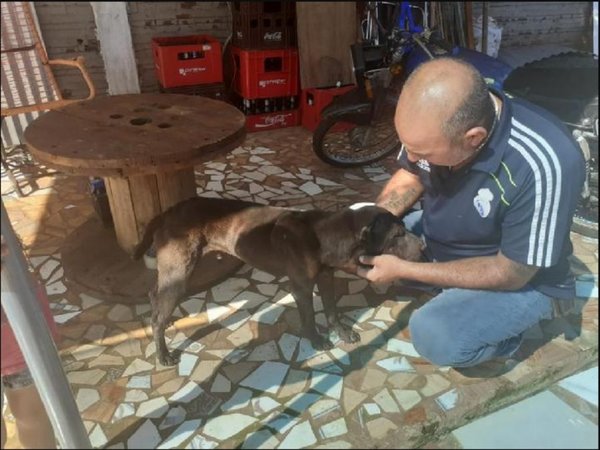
[359, 205]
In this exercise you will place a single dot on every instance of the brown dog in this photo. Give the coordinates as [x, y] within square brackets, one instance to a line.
[307, 246]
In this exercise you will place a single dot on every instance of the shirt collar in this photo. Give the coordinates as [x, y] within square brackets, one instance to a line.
[491, 154]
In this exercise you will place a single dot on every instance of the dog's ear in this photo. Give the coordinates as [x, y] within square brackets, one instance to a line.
[374, 235]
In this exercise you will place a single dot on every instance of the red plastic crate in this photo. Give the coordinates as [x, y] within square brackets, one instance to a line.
[265, 73]
[187, 60]
[271, 121]
[314, 100]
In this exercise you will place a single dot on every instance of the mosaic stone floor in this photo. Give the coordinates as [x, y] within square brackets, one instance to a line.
[246, 377]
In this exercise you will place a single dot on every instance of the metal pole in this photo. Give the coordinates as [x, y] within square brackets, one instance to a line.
[31, 331]
[484, 28]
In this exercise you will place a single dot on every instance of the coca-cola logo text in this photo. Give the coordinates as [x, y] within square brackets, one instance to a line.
[269, 121]
[274, 36]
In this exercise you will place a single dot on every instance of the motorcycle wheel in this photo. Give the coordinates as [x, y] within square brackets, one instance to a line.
[341, 142]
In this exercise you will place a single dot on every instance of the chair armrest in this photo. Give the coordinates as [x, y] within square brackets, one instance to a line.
[79, 63]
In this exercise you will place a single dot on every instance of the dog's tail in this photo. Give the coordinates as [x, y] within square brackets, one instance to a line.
[146, 242]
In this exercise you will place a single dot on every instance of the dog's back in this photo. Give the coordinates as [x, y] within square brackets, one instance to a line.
[221, 220]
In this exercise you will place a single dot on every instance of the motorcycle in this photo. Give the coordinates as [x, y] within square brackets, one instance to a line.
[357, 127]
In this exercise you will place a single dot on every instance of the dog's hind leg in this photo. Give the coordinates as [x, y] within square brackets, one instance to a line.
[175, 263]
[325, 282]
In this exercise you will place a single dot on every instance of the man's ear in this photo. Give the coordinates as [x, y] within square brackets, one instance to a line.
[475, 136]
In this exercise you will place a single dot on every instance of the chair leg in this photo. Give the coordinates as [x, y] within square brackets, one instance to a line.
[10, 174]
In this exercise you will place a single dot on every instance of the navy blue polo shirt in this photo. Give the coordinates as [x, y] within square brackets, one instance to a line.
[517, 196]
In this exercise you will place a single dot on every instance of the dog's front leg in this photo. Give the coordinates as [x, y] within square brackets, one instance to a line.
[303, 294]
[325, 281]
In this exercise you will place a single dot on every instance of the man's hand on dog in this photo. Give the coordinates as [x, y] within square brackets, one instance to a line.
[381, 268]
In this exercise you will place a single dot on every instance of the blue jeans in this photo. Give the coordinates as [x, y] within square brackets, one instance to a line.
[465, 327]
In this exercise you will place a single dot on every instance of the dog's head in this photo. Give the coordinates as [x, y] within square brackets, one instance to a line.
[380, 232]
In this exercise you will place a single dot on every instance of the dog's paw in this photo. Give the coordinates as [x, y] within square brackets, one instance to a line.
[321, 343]
[349, 336]
[168, 360]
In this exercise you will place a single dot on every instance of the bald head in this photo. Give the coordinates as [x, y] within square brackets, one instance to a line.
[446, 95]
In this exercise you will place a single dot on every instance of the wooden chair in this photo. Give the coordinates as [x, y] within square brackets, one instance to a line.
[28, 82]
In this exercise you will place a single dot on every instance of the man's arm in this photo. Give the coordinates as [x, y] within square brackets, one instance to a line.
[483, 272]
[400, 193]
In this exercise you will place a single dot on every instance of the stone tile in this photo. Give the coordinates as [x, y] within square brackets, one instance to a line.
[352, 301]
[306, 350]
[86, 397]
[267, 289]
[403, 347]
[335, 445]
[95, 332]
[90, 377]
[351, 399]
[327, 384]
[153, 409]
[280, 422]
[182, 433]
[396, 364]
[380, 427]
[122, 411]
[200, 442]
[170, 386]
[241, 336]
[225, 426]
[186, 364]
[406, 398]
[260, 439]
[372, 379]
[56, 288]
[341, 355]
[205, 370]
[215, 311]
[136, 395]
[174, 416]
[64, 318]
[236, 320]
[334, 429]
[129, 348]
[192, 305]
[386, 402]
[287, 344]
[140, 382]
[146, 436]
[120, 313]
[286, 299]
[294, 383]
[187, 393]
[137, 366]
[300, 436]
[360, 315]
[435, 383]
[302, 401]
[221, 384]
[264, 352]
[87, 351]
[267, 377]
[268, 313]
[227, 290]
[264, 404]
[261, 276]
[448, 400]
[240, 399]
[236, 372]
[402, 379]
[97, 437]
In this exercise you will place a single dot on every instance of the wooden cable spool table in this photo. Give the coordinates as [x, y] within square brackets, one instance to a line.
[145, 147]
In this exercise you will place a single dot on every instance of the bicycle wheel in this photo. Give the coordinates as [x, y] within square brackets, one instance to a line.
[340, 142]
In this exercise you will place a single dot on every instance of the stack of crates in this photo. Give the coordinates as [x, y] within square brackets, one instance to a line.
[189, 65]
[265, 59]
